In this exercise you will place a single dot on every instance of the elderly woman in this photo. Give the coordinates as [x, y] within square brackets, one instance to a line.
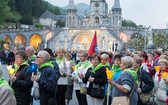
[104, 60]
[21, 80]
[95, 75]
[63, 81]
[46, 79]
[80, 71]
[17, 48]
[161, 82]
[126, 83]
[6, 95]
[145, 81]
[117, 71]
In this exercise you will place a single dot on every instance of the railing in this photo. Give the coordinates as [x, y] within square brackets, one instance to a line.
[25, 30]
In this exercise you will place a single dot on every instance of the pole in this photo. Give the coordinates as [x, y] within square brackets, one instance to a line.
[145, 40]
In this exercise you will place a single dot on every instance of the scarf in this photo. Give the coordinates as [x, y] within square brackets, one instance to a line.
[24, 63]
[115, 68]
[5, 83]
[32, 57]
[107, 64]
[155, 58]
[160, 74]
[97, 68]
[87, 63]
[133, 73]
[59, 61]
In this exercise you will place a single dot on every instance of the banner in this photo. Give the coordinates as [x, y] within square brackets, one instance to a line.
[93, 47]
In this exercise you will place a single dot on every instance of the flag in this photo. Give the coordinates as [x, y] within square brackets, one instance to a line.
[93, 47]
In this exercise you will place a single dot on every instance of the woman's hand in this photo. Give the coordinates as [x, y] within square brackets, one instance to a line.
[91, 79]
[139, 90]
[12, 78]
[34, 78]
[165, 81]
[81, 76]
[111, 81]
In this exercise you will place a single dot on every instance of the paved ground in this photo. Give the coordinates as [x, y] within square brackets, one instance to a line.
[6, 76]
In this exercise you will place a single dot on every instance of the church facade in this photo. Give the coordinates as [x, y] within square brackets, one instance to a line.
[79, 30]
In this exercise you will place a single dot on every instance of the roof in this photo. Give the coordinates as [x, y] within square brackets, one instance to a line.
[116, 4]
[48, 14]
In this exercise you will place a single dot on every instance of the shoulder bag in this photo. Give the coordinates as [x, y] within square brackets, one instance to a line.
[83, 90]
[123, 100]
[97, 91]
[144, 97]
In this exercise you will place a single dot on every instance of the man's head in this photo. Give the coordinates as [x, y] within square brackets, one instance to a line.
[83, 56]
[29, 51]
[19, 47]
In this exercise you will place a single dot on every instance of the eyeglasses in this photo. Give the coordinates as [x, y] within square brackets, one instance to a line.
[39, 57]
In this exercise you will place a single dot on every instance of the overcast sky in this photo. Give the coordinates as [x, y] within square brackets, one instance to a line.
[146, 12]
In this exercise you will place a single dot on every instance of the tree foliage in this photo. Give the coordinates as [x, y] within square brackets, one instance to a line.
[128, 23]
[26, 19]
[160, 40]
[35, 8]
[4, 10]
[137, 43]
[60, 23]
[38, 25]
[2, 42]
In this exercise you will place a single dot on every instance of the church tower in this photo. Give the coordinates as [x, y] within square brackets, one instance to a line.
[116, 14]
[71, 16]
[98, 10]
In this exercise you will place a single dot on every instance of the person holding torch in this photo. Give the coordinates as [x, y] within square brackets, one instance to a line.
[21, 79]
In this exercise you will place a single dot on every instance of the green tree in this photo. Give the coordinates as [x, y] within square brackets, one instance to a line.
[2, 42]
[160, 40]
[137, 43]
[24, 6]
[128, 23]
[26, 19]
[38, 25]
[12, 3]
[37, 8]
[60, 23]
[4, 10]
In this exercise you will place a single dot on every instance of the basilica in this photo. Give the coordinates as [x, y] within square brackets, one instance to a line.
[79, 30]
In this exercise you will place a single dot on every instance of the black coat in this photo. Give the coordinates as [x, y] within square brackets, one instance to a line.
[145, 77]
[99, 76]
[47, 85]
[22, 85]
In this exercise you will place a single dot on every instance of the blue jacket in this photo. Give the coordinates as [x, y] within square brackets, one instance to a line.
[47, 85]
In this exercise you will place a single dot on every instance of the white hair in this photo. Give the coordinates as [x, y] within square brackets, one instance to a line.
[30, 48]
[105, 56]
[45, 55]
[128, 61]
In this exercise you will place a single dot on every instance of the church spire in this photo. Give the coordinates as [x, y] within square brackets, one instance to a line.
[116, 4]
[71, 4]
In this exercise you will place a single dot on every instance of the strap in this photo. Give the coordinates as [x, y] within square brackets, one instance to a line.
[132, 90]
[140, 77]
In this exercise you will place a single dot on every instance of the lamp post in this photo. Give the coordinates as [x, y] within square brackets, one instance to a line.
[146, 35]
[137, 36]
[118, 28]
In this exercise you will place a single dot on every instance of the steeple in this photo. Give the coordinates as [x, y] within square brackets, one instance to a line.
[71, 4]
[116, 5]
[71, 16]
[116, 15]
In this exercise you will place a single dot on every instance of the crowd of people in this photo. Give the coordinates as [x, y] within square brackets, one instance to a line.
[48, 78]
